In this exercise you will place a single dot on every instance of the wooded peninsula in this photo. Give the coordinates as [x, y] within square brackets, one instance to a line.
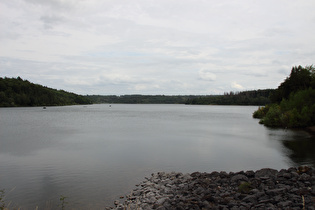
[293, 102]
[16, 92]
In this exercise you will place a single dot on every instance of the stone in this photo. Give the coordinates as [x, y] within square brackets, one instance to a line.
[120, 207]
[267, 189]
[254, 191]
[161, 201]
[116, 202]
[195, 174]
[250, 173]
[287, 175]
[250, 199]
[239, 177]
[304, 177]
[284, 204]
[266, 172]
[275, 192]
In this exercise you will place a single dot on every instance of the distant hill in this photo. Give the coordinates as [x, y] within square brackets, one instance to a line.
[19, 92]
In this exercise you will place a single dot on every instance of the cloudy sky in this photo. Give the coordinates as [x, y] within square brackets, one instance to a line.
[171, 47]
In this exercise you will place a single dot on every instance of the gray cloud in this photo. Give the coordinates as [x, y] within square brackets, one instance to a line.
[149, 47]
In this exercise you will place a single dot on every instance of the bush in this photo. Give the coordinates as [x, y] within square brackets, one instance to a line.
[261, 112]
[272, 118]
[297, 111]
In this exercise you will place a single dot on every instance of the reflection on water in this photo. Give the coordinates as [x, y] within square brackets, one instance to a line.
[302, 150]
[297, 145]
[95, 154]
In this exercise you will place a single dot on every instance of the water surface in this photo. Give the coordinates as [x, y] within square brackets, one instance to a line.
[94, 154]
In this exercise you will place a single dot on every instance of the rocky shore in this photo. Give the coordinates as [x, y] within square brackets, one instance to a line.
[292, 188]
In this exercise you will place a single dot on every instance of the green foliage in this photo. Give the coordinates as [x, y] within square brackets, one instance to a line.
[19, 92]
[140, 99]
[272, 116]
[261, 112]
[296, 108]
[254, 97]
[63, 202]
[299, 79]
[297, 111]
[245, 187]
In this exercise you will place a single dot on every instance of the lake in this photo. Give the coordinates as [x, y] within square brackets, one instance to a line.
[94, 154]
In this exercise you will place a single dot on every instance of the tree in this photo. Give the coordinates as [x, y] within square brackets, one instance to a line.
[293, 102]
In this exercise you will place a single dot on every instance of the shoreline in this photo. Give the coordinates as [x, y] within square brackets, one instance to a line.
[292, 188]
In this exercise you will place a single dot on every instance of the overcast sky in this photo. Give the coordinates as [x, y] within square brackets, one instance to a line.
[171, 47]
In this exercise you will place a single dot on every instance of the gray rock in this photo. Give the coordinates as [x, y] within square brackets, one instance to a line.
[239, 177]
[250, 173]
[161, 201]
[304, 177]
[254, 191]
[284, 204]
[287, 175]
[266, 172]
[275, 192]
[250, 199]
[269, 189]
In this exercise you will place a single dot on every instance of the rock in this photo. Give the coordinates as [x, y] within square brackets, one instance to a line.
[263, 189]
[238, 178]
[304, 177]
[160, 201]
[275, 192]
[284, 204]
[116, 202]
[250, 174]
[250, 199]
[266, 172]
[287, 175]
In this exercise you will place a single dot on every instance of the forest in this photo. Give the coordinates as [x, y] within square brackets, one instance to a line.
[252, 97]
[293, 102]
[16, 92]
[141, 99]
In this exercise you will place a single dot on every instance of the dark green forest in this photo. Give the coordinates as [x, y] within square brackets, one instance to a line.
[253, 97]
[293, 102]
[140, 99]
[16, 92]
[19, 92]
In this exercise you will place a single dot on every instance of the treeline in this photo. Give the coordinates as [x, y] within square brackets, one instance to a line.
[19, 92]
[293, 102]
[141, 99]
[253, 97]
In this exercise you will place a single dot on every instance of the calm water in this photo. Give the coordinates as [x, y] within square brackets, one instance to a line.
[94, 154]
